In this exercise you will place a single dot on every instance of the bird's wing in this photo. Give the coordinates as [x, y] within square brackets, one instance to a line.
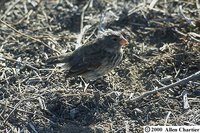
[83, 68]
[87, 60]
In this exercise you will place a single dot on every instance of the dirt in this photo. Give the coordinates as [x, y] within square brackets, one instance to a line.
[164, 48]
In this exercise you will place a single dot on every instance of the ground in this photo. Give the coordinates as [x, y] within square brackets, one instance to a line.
[164, 48]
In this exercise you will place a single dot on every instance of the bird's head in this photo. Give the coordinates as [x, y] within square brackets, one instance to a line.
[114, 40]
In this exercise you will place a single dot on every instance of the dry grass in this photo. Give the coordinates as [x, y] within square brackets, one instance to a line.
[164, 48]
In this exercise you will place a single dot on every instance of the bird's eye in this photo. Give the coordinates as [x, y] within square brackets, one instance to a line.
[114, 39]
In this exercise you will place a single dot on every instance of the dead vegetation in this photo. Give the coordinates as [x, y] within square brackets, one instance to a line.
[164, 50]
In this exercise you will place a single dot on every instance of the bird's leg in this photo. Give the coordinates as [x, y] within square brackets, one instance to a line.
[85, 84]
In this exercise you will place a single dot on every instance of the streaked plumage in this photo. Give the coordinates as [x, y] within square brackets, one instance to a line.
[94, 59]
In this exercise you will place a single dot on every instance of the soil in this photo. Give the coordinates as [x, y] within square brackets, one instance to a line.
[164, 48]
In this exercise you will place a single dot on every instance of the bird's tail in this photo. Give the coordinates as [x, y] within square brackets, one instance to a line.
[55, 60]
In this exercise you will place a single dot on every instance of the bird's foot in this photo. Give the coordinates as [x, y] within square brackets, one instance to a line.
[85, 84]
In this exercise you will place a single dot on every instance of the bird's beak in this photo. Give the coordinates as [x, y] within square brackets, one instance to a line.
[123, 41]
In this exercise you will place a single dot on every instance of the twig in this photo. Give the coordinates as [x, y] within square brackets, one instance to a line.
[198, 4]
[169, 109]
[83, 13]
[136, 9]
[140, 58]
[30, 37]
[86, 40]
[168, 114]
[179, 32]
[190, 123]
[8, 10]
[80, 36]
[157, 10]
[23, 63]
[32, 127]
[14, 108]
[153, 3]
[189, 20]
[151, 7]
[185, 100]
[180, 82]
[26, 16]
[24, 111]
[82, 94]
[101, 25]
[127, 127]
[161, 84]
[192, 35]
[82, 30]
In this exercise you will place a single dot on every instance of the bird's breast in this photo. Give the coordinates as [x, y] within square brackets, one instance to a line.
[109, 63]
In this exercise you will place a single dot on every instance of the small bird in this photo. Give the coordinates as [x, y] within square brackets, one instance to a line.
[94, 59]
